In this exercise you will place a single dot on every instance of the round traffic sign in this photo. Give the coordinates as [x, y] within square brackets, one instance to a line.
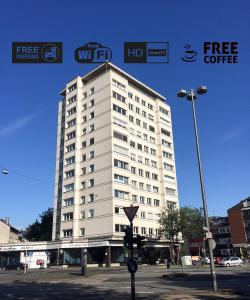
[132, 265]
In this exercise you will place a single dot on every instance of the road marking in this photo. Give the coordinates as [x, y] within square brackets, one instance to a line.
[145, 292]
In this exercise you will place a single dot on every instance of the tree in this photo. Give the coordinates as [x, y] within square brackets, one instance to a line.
[192, 222]
[41, 230]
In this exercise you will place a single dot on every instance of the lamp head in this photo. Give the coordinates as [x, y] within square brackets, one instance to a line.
[5, 171]
[201, 90]
[191, 96]
[182, 93]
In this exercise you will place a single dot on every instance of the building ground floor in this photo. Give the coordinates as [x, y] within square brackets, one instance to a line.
[104, 253]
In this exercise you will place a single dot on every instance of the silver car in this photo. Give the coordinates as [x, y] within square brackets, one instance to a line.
[231, 261]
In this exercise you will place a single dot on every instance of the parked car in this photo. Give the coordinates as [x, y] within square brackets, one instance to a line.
[216, 260]
[231, 261]
[18, 266]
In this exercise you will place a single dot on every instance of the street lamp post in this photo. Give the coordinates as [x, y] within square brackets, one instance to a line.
[191, 95]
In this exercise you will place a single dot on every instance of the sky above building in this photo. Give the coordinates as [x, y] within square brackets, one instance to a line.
[30, 92]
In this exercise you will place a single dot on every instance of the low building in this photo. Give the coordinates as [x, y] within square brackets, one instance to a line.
[8, 234]
[239, 222]
[221, 234]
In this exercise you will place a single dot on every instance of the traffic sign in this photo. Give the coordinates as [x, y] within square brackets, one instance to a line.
[213, 243]
[130, 212]
[132, 265]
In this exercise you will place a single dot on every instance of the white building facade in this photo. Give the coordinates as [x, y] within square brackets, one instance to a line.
[114, 149]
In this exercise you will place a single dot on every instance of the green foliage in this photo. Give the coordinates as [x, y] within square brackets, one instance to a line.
[41, 230]
[187, 220]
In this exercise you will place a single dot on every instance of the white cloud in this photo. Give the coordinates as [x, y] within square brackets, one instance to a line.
[17, 124]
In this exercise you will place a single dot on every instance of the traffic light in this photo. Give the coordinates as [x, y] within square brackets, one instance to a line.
[139, 241]
[128, 238]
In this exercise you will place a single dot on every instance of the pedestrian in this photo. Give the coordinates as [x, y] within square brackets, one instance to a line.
[167, 263]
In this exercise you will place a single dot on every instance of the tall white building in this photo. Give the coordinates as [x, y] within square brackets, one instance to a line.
[114, 149]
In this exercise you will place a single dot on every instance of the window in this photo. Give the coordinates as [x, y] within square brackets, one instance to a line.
[141, 185]
[91, 168]
[164, 111]
[67, 233]
[68, 216]
[69, 187]
[169, 178]
[154, 176]
[69, 174]
[84, 107]
[83, 171]
[140, 172]
[156, 202]
[142, 200]
[82, 214]
[82, 199]
[118, 84]
[149, 201]
[121, 194]
[71, 123]
[133, 156]
[131, 119]
[152, 140]
[70, 160]
[139, 134]
[70, 147]
[146, 161]
[91, 141]
[148, 187]
[136, 229]
[120, 164]
[68, 202]
[84, 95]
[143, 230]
[137, 110]
[155, 189]
[91, 213]
[92, 115]
[151, 128]
[82, 231]
[92, 103]
[91, 198]
[143, 102]
[145, 125]
[91, 127]
[120, 228]
[150, 230]
[147, 174]
[130, 95]
[70, 135]
[121, 179]
[134, 184]
[91, 154]
[84, 157]
[167, 155]
[119, 109]
[139, 146]
[171, 192]
[120, 136]
[152, 151]
[84, 144]
[84, 119]
[84, 131]
[91, 183]
[165, 143]
[71, 111]
[83, 185]
[72, 87]
[91, 91]
[171, 204]
[143, 214]
[132, 144]
[145, 136]
[133, 170]
[153, 164]
[120, 122]
[145, 148]
[165, 132]
[168, 167]
[119, 97]
[150, 106]
[134, 198]
[72, 100]
[137, 99]
[151, 118]
[144, 114]
[140, 159]
[138, 122]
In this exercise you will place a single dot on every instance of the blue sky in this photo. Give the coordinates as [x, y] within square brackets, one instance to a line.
[29, 93]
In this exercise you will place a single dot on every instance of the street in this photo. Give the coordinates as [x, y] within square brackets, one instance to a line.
[152, 282]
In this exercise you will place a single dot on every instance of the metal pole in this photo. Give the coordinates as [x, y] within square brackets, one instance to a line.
[132, 274]
[212, 268]
[24, 271]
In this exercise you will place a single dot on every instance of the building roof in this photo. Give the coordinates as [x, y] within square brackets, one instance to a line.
[12, 229]
[241, 204]
[109, 66]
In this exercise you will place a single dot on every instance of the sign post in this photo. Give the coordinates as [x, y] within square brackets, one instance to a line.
[132, 264]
